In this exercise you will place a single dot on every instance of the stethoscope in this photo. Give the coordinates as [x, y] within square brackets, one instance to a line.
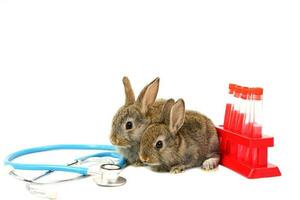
[107, 174]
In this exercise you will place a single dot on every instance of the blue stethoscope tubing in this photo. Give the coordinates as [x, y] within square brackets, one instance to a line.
[110, 152]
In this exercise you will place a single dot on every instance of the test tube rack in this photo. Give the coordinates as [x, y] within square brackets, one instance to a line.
[229, 142]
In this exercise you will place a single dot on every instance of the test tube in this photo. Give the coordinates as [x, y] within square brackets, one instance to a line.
[229, 105]
[240, 121]
[244, 119]
[257, 121]
[247, 125]
[258, 112]
[253, 128]
[233, 118]
[236, 107]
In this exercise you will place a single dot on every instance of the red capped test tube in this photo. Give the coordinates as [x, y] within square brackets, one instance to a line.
[233, 147]
[242, 112]
[236, 107]
[253, 124]
[229, 105]
[244, 119]
[257, 98]
[248, 123]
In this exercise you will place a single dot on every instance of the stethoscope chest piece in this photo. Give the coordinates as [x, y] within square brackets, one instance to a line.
[109, 176]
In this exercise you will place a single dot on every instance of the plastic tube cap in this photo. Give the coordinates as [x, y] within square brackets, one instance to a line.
[231, 87]
[238, 90]
[245, 92]
[258, 91]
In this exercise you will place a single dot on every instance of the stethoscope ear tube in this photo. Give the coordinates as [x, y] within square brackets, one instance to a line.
[80, 170]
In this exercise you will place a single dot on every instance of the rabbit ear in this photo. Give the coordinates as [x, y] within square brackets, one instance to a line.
[128, 91]
[165, 114]
[148, 95]
[177, 116]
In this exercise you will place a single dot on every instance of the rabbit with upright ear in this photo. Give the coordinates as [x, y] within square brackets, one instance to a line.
[133, 118]
[180, 140]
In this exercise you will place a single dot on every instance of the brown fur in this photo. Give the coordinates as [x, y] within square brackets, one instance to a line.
[141, 112]
[189, 145]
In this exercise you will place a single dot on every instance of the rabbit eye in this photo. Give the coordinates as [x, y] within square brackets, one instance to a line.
[128, 125]
[159, 144]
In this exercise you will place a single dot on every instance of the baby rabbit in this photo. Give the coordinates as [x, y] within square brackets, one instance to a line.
[180, 140]
[132, 119]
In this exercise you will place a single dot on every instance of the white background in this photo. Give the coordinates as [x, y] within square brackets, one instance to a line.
[61, 65]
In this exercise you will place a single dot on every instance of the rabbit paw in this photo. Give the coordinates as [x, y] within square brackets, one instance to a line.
[177, 169]
[210, 164]
[158, 169]
[138, 163]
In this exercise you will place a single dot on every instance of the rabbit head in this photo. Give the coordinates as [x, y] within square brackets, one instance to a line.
[132, 118]
[160, 141]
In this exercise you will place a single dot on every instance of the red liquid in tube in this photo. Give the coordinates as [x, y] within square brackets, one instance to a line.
[257, 131]
[240, 122]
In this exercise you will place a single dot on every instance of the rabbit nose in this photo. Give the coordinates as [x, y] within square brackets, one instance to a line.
[114, 140]
[144, 159]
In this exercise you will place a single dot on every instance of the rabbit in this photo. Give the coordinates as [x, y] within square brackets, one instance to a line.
[181, 140]
[133, 118]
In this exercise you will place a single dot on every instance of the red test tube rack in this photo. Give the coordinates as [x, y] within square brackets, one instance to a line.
[244, 149]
